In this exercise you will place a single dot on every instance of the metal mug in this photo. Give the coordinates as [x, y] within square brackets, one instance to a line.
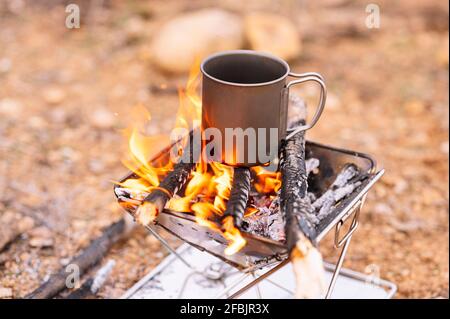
[247, 89]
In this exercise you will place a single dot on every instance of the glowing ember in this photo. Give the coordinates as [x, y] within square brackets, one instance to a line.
[196, 185]
[204, 211]
[146, 214]
[250, 211]
[267, 182]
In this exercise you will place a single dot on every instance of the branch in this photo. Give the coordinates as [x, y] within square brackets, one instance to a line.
[239, 195]
[89, 257]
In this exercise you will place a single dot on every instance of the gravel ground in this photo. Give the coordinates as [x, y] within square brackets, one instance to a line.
[65, 94]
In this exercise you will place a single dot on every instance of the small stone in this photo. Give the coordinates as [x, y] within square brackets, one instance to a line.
[96, 166]
[10, 107]
[190, 36]
[25, 223]
[39, 242]
[58, 115]
[25, 257]
[102, 118]
[5, 293]
[272, 33]
[405, 272]
[79, 224]
[5, 65]
[400, 186]
[383, 209]
[37, 122]
[64, 261]
[431, 196]
[41, 237]
[68, 153]
[159, 254]
[415, 107]
[151, 240]
[135, 27]
[333, 102]
[54, 95]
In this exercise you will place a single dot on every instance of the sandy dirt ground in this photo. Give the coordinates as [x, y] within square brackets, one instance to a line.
[65, 95]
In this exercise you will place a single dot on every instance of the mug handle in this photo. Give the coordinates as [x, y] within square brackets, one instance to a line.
[305, 77]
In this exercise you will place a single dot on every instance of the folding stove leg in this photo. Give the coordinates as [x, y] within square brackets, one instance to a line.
[259, 279]
[258, 291]
[168, 247]
[232, 286]
[338, 267]
[345, 242]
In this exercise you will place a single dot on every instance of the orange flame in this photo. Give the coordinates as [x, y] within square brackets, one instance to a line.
[203, 212]
[209, 187]
[267, 182]
[233, 235]
[146, 214]
[198, 183]
[223, 177]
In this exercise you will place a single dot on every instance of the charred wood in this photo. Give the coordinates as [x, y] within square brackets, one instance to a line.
[294, 185]
[156, 200]
[345, 183]
[239, 195]
[87, 258]
[92, 285]
[299, 215]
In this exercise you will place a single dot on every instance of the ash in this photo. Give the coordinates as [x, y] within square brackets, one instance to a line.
[268, 221]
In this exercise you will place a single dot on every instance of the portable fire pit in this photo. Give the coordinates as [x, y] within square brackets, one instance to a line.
[263, 256]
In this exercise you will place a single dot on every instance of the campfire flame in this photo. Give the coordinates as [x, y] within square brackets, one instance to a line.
[267, 182]
[233, 235]
[208, 190]
[147, 214]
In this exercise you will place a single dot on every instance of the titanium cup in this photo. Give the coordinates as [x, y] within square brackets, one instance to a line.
[244, 92]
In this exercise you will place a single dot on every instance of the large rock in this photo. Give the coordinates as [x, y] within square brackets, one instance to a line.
[272, 33]
[195, 35]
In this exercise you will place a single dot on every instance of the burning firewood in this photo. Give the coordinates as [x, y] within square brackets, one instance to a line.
[156, 200]
[268, 222]
[299, 222]
[239, 196]
[234, 213]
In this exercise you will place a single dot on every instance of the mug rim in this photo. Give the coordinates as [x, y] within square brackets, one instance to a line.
[246, 52]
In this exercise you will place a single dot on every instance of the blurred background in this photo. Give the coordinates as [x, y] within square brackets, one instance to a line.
[65, 94]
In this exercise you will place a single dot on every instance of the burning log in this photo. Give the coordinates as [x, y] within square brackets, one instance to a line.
[299, 222]
[90, 256]
[156, 200]
[239, 196]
